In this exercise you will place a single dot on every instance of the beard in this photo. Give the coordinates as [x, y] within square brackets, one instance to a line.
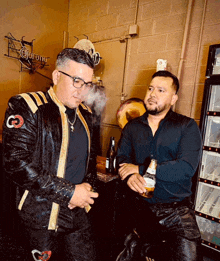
[156, 110]
[153, 112]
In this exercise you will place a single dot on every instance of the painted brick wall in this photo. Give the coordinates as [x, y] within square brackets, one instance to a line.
[193, 75]
[161, 28]
[41, 20]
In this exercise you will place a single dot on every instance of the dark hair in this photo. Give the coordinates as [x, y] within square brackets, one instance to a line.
[168, 74]
[74, 54]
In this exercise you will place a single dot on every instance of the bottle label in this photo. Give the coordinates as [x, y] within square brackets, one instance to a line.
[150, 183]
[107, 163]
[151, 171]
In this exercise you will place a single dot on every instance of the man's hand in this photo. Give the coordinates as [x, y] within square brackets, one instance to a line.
[136, 182]
[82, 196]
[127, 169]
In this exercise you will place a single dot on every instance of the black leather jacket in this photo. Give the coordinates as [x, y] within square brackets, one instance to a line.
[35, 145]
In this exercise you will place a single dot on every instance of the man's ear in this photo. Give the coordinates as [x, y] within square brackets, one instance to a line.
[55, 76]
[174, 99]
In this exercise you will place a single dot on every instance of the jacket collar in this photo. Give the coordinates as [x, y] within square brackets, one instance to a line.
[56, 100]
[61, 106]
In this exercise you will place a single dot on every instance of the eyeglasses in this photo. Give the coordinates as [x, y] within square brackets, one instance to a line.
[78, 82]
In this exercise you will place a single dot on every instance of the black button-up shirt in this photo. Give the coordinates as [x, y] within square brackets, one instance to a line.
[176, 146]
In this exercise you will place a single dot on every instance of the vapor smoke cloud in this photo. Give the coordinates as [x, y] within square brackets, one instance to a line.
[96, 99]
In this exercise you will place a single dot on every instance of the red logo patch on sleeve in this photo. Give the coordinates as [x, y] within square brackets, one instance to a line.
[15, 121]
[44, 256]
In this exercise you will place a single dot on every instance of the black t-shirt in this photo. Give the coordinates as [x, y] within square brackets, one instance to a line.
[77, 150]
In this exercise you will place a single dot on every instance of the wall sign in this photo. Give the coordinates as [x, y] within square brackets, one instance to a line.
[23, 51]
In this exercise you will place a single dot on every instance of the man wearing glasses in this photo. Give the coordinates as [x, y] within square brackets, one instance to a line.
[49, 153]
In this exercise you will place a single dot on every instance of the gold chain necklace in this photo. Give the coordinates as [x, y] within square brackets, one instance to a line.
[72, 123]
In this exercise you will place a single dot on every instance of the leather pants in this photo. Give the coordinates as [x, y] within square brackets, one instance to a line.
[167, 232]
[65, 244]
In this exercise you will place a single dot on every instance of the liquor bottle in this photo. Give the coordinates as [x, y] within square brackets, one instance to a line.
[150, 179]
[110, 157]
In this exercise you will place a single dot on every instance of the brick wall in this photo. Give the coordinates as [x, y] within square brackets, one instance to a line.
[193, 74]
[161, 28]
[41, 20]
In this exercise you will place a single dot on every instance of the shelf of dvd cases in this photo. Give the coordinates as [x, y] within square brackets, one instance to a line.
[212, 136]
[210, 232]
[208, 200]
[207, 197]
[207, 206]
[213, 63]
[210, 167]
[207, 210]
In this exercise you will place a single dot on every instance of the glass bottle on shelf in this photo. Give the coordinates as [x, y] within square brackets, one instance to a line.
[111, 157]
